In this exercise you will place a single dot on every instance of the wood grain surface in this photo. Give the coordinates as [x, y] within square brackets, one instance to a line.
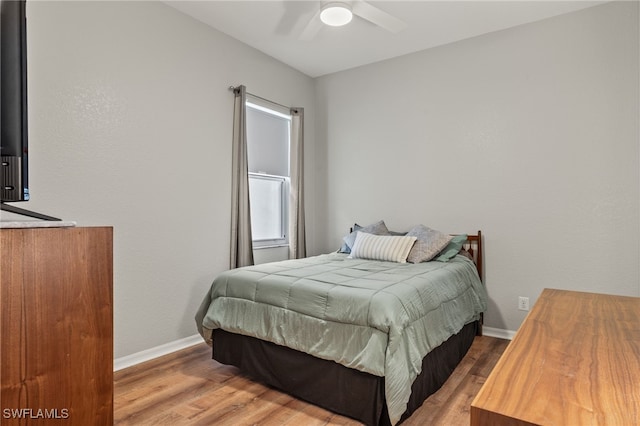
[56, 331]
[574, 361]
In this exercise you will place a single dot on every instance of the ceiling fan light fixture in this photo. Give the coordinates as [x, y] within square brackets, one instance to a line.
[336, 14]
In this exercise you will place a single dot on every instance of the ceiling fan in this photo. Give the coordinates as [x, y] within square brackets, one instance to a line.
[338, 13]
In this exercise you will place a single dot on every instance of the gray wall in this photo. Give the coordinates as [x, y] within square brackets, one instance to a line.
[131, 127]
[529, 134]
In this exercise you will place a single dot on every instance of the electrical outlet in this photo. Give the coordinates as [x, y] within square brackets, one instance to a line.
[523, 303]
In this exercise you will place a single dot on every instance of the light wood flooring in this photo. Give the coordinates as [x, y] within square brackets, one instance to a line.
[189, 388]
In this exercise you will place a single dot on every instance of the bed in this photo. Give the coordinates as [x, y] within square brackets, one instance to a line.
[368, 339]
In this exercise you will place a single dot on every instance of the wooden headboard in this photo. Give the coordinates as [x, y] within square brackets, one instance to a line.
[473, 245]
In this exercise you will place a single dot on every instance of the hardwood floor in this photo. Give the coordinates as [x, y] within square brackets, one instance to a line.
[189, 388]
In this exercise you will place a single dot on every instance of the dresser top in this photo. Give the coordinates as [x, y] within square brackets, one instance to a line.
[37, 224]
[574, 360]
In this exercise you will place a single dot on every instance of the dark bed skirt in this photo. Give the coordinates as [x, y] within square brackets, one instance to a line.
[340, 389]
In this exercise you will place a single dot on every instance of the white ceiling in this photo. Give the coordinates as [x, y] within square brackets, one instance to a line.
[274, 27]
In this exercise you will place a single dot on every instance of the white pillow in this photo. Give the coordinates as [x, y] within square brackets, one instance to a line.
[381, 247]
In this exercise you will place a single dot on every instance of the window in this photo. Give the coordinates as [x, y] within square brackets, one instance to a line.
[268, 134]
[268, 195]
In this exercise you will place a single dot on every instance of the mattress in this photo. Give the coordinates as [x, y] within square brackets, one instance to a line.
[377, 317]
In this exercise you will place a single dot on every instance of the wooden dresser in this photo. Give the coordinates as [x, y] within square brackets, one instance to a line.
[574, 361]
[56, 326]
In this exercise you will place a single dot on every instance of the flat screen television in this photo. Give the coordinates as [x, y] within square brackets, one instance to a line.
[14, 129]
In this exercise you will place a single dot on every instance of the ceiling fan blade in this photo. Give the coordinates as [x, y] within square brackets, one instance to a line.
[312, 28]
[378, 16]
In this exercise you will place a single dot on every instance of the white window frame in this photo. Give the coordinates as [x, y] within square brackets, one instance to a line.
[283, 239]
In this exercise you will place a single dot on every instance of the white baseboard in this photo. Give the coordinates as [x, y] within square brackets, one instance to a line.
[498, 332]
[158, 351]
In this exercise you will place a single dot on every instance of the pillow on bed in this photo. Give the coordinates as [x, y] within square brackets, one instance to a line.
[429, 243]
[452, 249]
[346, 248]
[393, 248]
[378, 228]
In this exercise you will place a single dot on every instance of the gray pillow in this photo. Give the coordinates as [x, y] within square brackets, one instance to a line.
[428, 244]
[378, 228]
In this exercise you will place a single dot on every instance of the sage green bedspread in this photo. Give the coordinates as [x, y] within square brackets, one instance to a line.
[378, 317]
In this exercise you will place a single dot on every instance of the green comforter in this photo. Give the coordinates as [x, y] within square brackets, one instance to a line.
[378, 317]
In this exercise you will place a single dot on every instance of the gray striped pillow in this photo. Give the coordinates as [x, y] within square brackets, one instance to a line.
[381, 247]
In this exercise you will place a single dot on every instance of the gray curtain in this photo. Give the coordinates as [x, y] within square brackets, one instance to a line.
[241, 240]
[297, 240]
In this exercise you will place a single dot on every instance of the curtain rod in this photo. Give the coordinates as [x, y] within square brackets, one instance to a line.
[233, 89]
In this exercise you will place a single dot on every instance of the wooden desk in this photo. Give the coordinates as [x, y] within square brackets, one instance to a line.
[574, 361]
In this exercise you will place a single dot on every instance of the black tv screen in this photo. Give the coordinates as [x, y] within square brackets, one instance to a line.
[13, 101]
